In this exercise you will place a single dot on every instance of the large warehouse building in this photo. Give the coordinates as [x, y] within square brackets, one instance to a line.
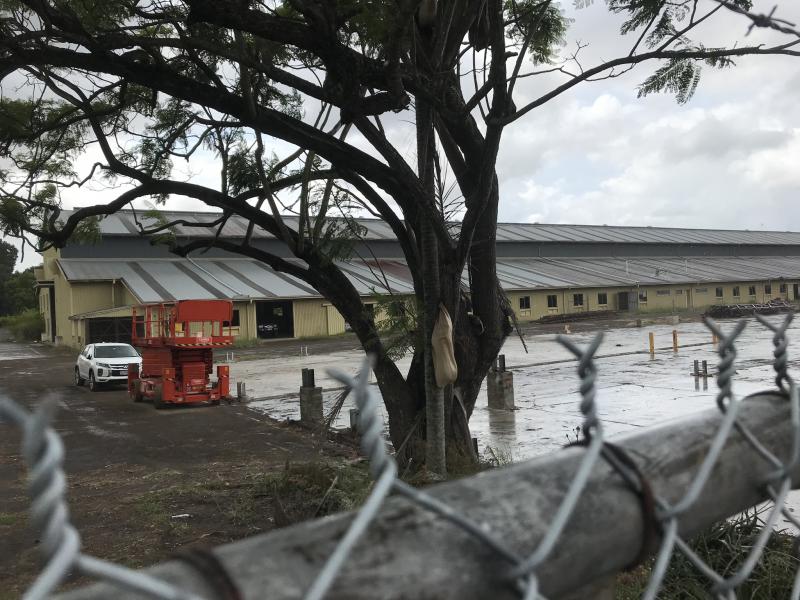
[86, 291]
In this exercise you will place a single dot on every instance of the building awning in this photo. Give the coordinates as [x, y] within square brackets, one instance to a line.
[164, 280]
[118, 311]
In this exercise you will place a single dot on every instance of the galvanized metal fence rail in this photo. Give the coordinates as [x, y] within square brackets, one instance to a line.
[548, 526]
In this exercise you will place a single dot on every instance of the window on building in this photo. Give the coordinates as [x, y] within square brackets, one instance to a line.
[602, 298]
[718, 292]
[235, 321]
[577, 299]
[767, 288]
[751, 290]
[552, 301]
[736, 291]
[783, 288]
[524, 302]
[701, 291]
[678, 292]
[663, 293]
[642, 295]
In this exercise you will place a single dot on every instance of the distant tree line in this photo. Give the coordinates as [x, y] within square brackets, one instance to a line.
[17, 293]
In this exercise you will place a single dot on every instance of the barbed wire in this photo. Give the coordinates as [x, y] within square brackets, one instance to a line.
[766, 21]
[43, 453]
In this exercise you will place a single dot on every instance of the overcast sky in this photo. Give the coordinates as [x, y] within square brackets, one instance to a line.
[730, 158]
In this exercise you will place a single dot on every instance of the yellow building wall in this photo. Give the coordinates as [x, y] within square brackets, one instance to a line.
[565, 301]
[63, 296]
[49, 266]
[311, 319]
[672, 298]
[88, 297]
[247, 321]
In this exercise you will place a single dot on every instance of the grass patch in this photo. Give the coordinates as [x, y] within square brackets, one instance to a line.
[8, 519]
[255, 501]
[724, 546]
[26, 326]
[306, 491]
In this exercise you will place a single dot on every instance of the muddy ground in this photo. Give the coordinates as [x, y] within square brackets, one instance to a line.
[132, 470]
[143, 484]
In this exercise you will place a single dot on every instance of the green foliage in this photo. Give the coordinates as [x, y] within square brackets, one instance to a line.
[18, 293]
[26, 326]
[723, 547]
[87, 232]
[339, 237]
[679, 76]
[8, 258]
[16, 289]
[12, 216]
[242, 170]
[371, 24]
[154, 219]
[397, 320]
[546, 23]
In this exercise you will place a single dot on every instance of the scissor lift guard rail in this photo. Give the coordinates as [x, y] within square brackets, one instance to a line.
[177, 342]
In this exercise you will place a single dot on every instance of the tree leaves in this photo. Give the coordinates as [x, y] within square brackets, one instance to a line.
[543, 22]
[679, 76]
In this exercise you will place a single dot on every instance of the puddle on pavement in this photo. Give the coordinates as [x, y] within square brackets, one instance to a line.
[634, 391]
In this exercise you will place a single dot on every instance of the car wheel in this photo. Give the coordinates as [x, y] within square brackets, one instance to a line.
[93, 385]
[78, 379]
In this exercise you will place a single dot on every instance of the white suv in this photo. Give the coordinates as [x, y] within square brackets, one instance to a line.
[105, 363]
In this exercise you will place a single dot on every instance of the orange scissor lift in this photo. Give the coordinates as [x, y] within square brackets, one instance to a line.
[177, 341]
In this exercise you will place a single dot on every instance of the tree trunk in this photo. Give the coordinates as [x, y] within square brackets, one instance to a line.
[435, 447]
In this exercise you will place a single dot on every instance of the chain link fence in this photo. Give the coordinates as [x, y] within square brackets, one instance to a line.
[664, 513]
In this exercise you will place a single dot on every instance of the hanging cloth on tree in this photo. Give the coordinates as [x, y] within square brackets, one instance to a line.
[444, 360]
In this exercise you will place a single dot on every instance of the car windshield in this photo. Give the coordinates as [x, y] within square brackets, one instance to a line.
[120, 351]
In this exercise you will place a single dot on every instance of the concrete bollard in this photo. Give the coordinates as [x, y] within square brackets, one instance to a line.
[311, 411]
[500, 389]
[697, 368]
[652, 343]
[501, 362]
[674, 340]
[705, 368]
[354, 419]
[241, 391]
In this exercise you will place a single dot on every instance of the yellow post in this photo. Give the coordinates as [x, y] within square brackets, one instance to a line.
[714, 339]
[652, 343]
[674, 340]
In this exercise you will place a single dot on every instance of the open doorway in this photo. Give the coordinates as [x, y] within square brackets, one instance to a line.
[623, 301]
[274, 319]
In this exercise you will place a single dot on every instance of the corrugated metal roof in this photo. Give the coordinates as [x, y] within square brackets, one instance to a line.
[124, 223]
[549, 273]
[157, 280]
[631, 235]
